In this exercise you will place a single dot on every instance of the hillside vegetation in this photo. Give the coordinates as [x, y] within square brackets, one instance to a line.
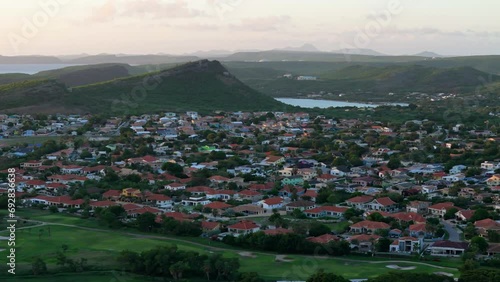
[368, 82]
[201, 86]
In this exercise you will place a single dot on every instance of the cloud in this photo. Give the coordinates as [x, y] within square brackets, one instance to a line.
[104, 13]
[160, 9]
[272, 23]
[157, 9]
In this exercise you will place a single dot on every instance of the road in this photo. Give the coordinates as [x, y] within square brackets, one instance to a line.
[452, 231]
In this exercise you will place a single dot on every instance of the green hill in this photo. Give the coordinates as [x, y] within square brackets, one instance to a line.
[74, 75]
[202, 86]
[370, 82]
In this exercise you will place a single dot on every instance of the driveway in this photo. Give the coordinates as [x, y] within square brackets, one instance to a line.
[452, 230]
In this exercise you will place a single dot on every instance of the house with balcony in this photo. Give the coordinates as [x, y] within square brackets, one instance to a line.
[406, 245]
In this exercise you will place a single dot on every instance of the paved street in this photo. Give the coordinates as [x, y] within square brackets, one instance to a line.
[452, 230]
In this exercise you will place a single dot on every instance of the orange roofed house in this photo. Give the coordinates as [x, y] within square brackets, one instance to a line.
[440, 208]
[368, 226]
[243, 227]
[360, 202]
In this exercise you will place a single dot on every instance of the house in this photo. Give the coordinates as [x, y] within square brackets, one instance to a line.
[368, 226]
[326, 211]
[175, 186]
[300, 205]
[217, 179]
[493, 180]
[273, 160]
[448, 248]
[112, 194]
[31, 164]
[71, 169]
[250, 195]
[208, 226]
[293, 180]
[323, 239]
[408, 217]
[454, 177]
[484, 225]
[440, 208]
[59, 201]
[429, 189]
[364, 181]
[406, 245]
[220, 206]
[289, 190]
[363, 242]
[101, 204]
[194, 201]
[490, 165]
[131, 192]
[249, 210]
[359, 202]
[243, 227]
[272, 203]
[383, 204]
[464, 215]
[224, 195]
[419, 230]
[160, 200]
[457, 169]
[418, 207]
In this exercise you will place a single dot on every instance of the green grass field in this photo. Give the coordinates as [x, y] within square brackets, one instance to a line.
[101, 246]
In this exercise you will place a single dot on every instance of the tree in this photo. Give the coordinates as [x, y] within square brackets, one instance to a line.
[38, 266]
[394, 162]
[469, 231]
[172, 168]
[383, 245]
[450, 213]
[146, 221]
[480, 275]
[53, 209]
[479, 243]
[250, 277]
[480, 214]
[322, 276]
[297, 213]
[318, 229]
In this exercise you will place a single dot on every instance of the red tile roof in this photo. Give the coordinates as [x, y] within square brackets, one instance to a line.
[360, 199]
[217, 205]
[440, 206]
[323, 239]
[244, 225]
[385, 201]
[368, 224]
[273, 201]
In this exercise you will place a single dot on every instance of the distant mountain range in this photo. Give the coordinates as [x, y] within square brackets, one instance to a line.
[304, 52]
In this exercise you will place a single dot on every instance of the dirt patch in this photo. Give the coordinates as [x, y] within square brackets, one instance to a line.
[282, 258]
[397, 267]
[444, 273]
[247, 254]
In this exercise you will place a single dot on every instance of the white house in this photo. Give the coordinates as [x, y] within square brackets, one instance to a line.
[406, 245]
[272, 203]
[457, 169]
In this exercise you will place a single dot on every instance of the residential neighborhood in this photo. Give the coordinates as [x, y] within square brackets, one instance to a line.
[419, 190]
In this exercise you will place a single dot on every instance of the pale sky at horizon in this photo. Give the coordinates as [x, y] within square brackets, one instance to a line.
[449, 27]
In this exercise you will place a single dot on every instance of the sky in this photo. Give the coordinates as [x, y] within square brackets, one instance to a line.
[396, 27]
